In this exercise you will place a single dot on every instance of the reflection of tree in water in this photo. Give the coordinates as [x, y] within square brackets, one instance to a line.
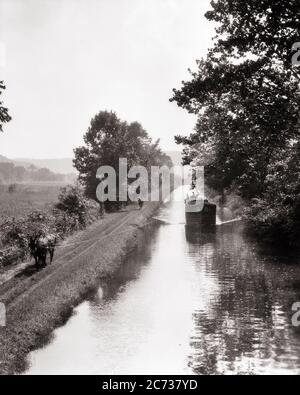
[247, 323]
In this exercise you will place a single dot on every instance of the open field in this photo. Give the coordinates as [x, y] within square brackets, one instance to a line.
[27, 197]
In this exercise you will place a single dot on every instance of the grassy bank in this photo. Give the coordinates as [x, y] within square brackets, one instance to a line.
[43, 301]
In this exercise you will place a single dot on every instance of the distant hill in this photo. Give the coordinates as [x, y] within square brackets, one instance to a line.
[37, 170]
[65, 165]
[4, 159]
[60, 166]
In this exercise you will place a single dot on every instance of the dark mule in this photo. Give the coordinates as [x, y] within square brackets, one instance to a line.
[33, 249]
[40, 246]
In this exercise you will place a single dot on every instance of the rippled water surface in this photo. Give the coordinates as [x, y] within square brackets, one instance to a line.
[184, 303]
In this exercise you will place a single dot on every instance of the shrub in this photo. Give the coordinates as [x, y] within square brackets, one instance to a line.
[14, 241]
[64, 223]
[39, 223]
[275, 222]
[14, 233]
[275, 216]
[73, 202]
[11, 255]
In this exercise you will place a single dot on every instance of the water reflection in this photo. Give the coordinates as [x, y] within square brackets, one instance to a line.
[249, 328]
[184, 302]
[198, 238]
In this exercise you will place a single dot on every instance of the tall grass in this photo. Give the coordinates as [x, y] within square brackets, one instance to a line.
[26, 198]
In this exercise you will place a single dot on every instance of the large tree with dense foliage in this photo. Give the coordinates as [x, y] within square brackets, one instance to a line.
[107, 140]
[247, 98]
[264, 28]
[245, 93]
[4, 116]
[248, 121]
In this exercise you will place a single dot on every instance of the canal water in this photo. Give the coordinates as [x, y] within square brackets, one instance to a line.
[184, 303]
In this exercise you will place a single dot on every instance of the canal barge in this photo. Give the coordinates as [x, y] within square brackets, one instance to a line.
[199, 212]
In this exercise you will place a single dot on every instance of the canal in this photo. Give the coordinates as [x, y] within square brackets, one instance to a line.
[184, 303]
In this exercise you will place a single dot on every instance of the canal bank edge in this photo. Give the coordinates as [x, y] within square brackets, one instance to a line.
[35, 313]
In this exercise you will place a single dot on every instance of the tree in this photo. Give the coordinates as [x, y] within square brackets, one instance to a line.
[7, 171]
[11, 173]
[249, 122]
[4, 116]
[247, 106]
[12, 188]
[264, 28]
[20, 173]
[107, 140]
[72, 201]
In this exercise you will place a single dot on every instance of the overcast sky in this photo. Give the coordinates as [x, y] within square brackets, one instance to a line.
[68, 59]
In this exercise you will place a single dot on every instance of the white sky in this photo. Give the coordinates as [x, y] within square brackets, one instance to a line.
[68, 59]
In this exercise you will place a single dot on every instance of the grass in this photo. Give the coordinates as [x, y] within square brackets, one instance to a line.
[26, 198]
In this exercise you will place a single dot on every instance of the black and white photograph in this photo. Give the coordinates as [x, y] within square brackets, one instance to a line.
[149, 190]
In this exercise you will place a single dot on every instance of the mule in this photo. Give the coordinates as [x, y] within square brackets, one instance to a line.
[39, 248]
